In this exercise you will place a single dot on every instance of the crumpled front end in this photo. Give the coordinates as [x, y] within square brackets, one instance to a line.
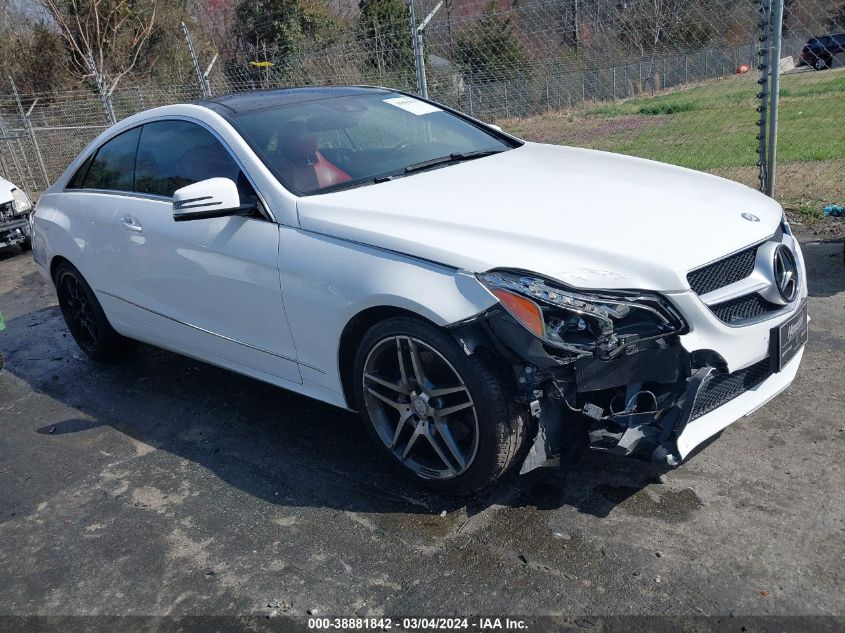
[15, 219]
[653, 386]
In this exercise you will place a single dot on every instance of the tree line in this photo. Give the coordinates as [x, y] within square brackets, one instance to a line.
[51, 46]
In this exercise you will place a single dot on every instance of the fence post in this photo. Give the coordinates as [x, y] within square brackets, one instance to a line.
[101, 90]
[27, 122]
[559, 91]
[206, 81]
[763, 66]
[195, 62]
[419, 54]
[418, 62]
[774, 89]
[507, 109]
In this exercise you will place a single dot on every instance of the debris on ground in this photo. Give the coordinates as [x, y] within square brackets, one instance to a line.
[832, 209]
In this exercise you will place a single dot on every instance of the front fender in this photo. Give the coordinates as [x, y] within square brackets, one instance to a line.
[326, 282]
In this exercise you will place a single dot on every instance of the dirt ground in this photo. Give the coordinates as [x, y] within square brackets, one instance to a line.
[160, 485]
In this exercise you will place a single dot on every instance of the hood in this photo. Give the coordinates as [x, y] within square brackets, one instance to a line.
[6, 191]
[589, 219]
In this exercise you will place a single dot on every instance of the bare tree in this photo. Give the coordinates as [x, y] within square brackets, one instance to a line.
[648, 23]
[106, 38]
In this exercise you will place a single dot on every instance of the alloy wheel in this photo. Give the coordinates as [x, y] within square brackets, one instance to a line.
[78, 312]
[420, 407]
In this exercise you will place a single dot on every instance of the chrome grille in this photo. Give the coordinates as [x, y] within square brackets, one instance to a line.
[746, 302]
[723, 272]
[723, 388]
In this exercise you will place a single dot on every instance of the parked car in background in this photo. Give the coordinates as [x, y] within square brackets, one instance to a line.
[819, 51]
[15, 212]
[487, 304]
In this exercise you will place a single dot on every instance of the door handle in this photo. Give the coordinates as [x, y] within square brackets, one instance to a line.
[130, 224]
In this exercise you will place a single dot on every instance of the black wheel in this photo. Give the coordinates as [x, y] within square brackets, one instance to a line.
[26, 245]
[821, 63]
[441, 416]
[84, 316]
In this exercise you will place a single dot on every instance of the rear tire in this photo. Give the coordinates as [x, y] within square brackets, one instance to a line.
[442, 417]
[26, 245]
[84, 316]
[821, 63]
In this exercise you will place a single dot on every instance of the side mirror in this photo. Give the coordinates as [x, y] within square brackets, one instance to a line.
[212, 198]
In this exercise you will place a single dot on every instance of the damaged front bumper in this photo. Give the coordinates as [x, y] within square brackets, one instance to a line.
[656, 403]
[14, 231]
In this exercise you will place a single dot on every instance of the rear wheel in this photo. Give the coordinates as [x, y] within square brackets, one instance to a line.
[442, 417]
[821, 63]
[26, 245]
[84, 316]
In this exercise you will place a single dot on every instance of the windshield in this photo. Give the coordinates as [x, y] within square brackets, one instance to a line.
[341, 142]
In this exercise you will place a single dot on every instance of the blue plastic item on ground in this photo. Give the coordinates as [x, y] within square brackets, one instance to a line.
[834, 209]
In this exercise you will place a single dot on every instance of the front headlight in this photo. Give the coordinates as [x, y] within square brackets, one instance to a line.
[579, 321]
[21, 201]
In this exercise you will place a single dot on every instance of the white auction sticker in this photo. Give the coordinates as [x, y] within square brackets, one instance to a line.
[414, 106]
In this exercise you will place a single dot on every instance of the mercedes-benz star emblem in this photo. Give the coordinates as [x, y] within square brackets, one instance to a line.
[750, 217]
[786, 273]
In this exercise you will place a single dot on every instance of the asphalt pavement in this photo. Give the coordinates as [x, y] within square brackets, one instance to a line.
[163, 486]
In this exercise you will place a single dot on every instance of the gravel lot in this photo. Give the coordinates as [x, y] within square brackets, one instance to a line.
[164, 486]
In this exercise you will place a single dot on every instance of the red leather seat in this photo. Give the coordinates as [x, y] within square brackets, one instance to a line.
[301, 163]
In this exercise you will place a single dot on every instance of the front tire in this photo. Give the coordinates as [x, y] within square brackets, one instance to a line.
[442, 417]
[84, 316]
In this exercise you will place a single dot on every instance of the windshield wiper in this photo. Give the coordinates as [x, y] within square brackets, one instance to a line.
[352, 184]
[452, 158]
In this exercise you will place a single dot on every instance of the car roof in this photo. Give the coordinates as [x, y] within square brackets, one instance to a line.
[259, 99]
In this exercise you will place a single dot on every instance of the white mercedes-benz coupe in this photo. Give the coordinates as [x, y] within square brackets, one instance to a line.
[487, 304]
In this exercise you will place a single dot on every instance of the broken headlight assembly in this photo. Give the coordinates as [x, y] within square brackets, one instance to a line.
[21, 202]
[581, 322]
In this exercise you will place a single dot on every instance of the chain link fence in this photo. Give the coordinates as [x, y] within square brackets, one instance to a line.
[811, 112]
[687, 83]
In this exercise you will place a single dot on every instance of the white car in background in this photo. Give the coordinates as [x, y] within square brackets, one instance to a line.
[487, 304]
[15, 212]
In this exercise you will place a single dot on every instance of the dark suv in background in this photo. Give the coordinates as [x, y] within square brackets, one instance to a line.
[818, 52]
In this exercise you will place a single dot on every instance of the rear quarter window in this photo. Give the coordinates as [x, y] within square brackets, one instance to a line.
[77, 180]
[113, 166]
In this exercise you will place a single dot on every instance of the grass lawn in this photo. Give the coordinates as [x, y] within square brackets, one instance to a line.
[712, 126]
